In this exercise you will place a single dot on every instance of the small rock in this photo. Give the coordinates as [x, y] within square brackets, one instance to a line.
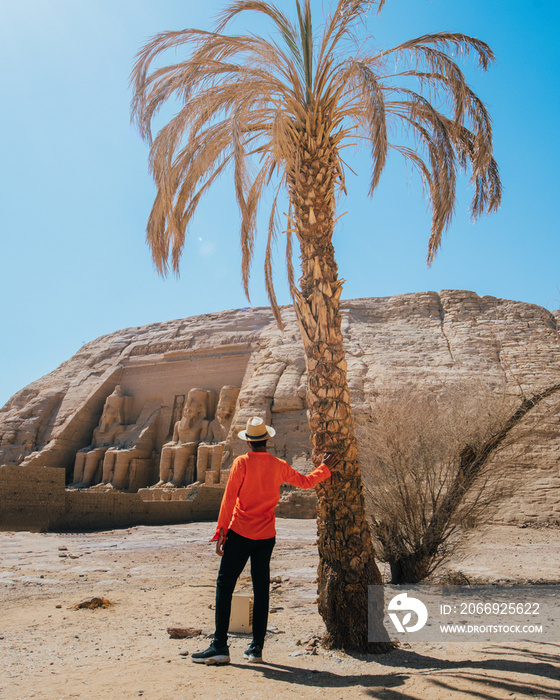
[183, 653]
[63, 549]
[297, 653]
[183, 632]
[95, 602]
[62, 555]
[58, 606]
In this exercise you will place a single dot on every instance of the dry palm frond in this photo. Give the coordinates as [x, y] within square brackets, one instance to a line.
[278, 111]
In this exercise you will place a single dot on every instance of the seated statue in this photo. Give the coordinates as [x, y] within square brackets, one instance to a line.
[133, 448]
[87, 466]
[178, 457]
[211, 451]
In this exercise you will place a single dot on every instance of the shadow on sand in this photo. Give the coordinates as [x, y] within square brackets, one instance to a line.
[476, 678]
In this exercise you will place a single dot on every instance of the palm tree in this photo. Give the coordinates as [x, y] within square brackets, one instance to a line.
[279, 111]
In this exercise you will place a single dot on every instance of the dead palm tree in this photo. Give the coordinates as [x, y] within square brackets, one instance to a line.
[279, 111]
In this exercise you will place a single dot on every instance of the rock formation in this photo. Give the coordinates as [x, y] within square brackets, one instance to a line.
[128, 463]
[88, 466]
[212, 453]
[425, 341]
[178, 457]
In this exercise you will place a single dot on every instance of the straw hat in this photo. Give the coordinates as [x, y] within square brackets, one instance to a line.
[257, 430]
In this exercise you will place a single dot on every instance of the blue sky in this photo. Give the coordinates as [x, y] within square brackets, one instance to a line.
[75, 189]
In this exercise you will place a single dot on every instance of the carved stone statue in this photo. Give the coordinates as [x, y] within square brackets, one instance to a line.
[178, 405]
[87, 465]
[178, 457]
[211, 451]
[127, 464]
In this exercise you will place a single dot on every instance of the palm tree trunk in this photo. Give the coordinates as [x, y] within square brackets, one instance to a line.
[347, 565]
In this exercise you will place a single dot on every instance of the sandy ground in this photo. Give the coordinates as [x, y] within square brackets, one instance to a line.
[163, 576]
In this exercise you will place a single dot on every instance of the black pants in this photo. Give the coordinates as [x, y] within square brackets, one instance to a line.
[237, 550]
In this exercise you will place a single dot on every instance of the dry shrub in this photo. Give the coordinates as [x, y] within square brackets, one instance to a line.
[417, 451]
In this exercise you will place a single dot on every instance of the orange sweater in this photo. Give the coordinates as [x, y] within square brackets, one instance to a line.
[253, 490]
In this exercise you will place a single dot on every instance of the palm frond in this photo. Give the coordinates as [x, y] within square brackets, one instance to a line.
[443, 41]
[306, 39]
[268, 277]
[289, 254]
[340, 23]
[279, 110]
[374, 109]
[285, 27]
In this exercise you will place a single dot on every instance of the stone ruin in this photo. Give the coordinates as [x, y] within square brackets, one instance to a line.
[155, 410]
[126, 456]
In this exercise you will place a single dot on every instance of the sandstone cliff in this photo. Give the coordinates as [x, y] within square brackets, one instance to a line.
[428, 341]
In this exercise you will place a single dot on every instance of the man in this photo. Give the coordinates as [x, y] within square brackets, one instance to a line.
[246, 528]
